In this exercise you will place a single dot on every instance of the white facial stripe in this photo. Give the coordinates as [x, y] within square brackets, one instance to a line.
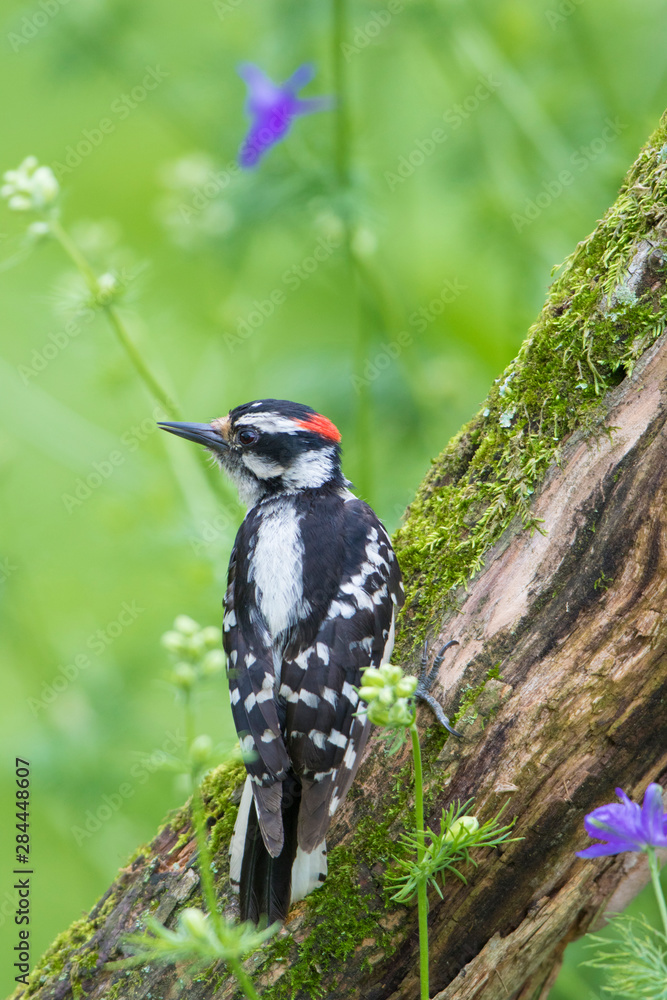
[272, 423]
[262, 467]
[311, 469]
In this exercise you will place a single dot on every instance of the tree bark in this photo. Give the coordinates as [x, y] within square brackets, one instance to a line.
[559, 680]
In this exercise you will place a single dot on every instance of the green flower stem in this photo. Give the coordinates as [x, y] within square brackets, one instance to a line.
[155, 389]
[140, 366]
[654, 868]
[198, 820]
[243, 979]
[354, 276]
[198, 488]
[422, 899]
[204, 856]
[342, 148]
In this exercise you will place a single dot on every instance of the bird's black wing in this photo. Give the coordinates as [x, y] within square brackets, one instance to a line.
[326, 732]
[251, 675]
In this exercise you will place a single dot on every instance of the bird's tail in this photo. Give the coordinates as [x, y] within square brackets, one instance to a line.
[266, 885]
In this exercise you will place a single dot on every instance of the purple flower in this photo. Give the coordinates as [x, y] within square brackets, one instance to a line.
[626, 827]
[272, 109]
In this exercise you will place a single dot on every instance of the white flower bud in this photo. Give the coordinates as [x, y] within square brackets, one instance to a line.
[378, 715]
[391, 673]
[401, 714]
[211, 636]
[184, 676]
[173, 641]
[406, 687]
[201, 749]
[188, 626]
[194, 922]
[213, 663]
[107, 286]
[464, 824]
[39, 229]
[45, 187]
[20, 203]
[30, 187]
[372, 677]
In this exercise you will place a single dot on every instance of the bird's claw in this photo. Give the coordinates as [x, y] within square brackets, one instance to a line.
[426, 680]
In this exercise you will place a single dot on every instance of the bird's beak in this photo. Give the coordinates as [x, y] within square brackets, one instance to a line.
[207, 434]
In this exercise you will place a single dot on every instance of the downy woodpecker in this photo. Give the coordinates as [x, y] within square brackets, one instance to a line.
[312, 595]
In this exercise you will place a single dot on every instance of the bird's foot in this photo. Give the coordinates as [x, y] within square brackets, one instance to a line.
[426, 680]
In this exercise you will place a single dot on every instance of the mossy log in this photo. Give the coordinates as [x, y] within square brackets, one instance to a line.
[539, 541]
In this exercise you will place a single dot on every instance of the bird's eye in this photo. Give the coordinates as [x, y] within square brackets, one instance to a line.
[248, 436]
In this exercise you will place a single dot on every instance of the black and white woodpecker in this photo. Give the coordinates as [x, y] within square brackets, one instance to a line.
[312, 595]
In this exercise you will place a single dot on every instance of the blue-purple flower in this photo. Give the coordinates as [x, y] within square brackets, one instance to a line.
[627, 827]
[273, 108]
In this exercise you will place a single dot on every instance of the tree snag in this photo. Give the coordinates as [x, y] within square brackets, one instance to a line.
[550, 507]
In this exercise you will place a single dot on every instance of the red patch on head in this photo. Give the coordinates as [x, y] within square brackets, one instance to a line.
[320, 425]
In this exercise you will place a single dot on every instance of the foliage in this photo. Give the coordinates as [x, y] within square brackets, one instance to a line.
[444, 851]
[199, 938]
[635, 959]
[390, 698]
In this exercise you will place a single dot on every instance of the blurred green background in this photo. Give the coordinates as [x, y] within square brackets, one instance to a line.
[454, 232]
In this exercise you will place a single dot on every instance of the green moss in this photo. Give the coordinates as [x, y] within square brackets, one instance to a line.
[114, 992]
[347, 909]
[65, 946]
[218, 788]
[470, 694]
[340, 915]
[581, 345]
[130, 980]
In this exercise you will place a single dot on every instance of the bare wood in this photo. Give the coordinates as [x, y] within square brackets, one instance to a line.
[574, 619]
